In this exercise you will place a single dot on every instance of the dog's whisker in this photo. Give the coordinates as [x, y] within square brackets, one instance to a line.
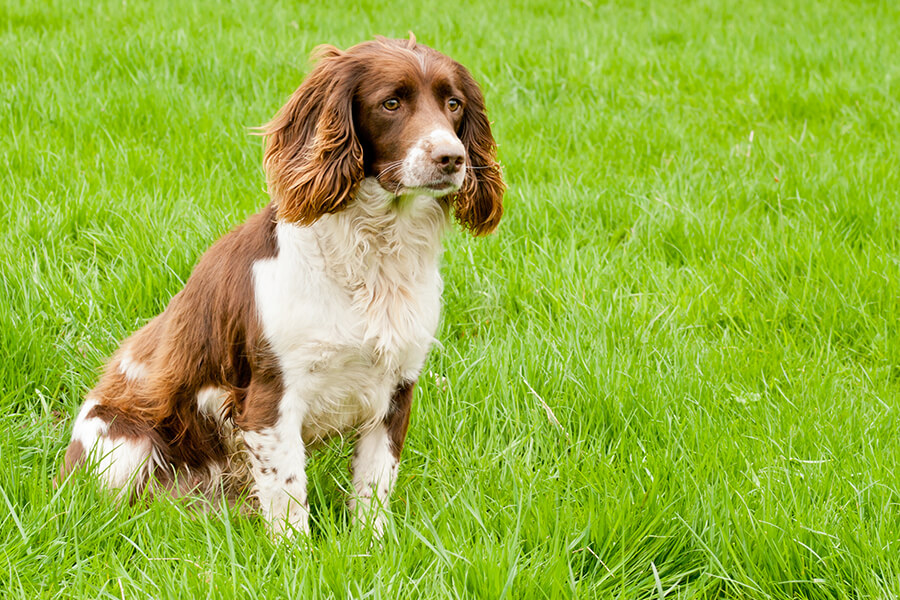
[391, 167]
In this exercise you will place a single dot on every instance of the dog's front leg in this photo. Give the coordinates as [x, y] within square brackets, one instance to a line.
[377, 458]
[278, 465]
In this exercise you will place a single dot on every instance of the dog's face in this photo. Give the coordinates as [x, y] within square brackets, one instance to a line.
[408, 115]
[391, 109]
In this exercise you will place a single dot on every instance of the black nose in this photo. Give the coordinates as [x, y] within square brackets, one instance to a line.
[450, 157]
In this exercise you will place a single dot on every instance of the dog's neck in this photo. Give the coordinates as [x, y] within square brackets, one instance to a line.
[385, 250]
[380, 233]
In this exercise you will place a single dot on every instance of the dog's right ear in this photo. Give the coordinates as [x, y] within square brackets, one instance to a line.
[313, 159]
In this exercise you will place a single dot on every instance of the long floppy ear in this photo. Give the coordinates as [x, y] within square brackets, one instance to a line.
[313, 159]
[479, 204]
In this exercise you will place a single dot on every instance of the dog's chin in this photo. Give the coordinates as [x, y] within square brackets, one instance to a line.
[437, 187]
[435, 190]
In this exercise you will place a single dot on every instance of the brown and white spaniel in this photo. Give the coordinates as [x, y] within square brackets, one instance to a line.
[315, 316]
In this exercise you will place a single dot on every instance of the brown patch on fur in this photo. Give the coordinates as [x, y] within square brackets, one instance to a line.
[259, 409]
[209, 335]
[397, 419]
[74, 457]
[120, 424]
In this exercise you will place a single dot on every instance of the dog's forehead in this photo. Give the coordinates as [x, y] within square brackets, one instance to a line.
[413, 69]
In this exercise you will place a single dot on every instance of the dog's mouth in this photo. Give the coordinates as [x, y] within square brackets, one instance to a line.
[444, 182]
[435, 188]
[440, 186]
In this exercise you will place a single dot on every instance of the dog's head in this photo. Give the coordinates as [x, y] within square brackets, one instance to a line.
[391, 109]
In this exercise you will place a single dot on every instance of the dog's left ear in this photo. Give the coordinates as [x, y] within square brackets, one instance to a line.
[313, 159]
[479, 204]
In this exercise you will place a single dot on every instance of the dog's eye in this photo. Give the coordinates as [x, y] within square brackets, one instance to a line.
[391, 104]
[453, 104]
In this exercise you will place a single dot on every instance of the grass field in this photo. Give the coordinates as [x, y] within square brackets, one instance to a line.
[698, 274]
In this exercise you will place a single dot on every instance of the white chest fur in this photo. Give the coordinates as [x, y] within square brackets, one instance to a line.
[350, 306]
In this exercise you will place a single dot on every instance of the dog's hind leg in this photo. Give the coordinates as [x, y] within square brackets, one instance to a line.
[124, 451]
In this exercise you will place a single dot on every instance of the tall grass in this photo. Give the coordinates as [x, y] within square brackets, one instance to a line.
[673, 372]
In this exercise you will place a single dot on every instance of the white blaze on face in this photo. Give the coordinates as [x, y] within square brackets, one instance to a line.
[419, 169]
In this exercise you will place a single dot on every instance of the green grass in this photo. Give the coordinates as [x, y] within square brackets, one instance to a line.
[698, 273]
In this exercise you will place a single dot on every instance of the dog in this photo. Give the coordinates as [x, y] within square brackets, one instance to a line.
[314, 317]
